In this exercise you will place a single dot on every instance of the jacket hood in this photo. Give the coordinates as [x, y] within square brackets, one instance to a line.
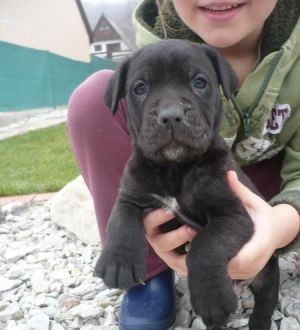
[277, 29]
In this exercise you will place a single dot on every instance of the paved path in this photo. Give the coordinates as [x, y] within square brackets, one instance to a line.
[16, 123]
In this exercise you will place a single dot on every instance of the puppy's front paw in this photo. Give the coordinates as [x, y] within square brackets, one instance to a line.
[119, 270]
[214, 305]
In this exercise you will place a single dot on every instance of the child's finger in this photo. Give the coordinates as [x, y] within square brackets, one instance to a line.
[247, 197]
[177, 262]
[172, 239]
[154, 219]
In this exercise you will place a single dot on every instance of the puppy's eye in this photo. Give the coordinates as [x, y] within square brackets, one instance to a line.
[199, 82]
[140, 88]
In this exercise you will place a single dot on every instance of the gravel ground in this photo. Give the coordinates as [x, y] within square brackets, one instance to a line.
[47, 282]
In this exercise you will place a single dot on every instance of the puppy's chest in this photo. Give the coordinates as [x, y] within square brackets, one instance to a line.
[183, 192]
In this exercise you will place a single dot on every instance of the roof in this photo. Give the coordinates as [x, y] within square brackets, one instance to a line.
[122, 30]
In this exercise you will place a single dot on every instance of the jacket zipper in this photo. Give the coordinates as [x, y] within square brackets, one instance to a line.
[245, 114]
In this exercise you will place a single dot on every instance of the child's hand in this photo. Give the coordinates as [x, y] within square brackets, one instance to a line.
[275, 227]
[164, 244]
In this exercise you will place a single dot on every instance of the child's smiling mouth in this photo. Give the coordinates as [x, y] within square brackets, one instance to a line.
[220, 11]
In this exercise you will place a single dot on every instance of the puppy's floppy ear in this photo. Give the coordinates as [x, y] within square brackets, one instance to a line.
[115, 89]
[226, 76]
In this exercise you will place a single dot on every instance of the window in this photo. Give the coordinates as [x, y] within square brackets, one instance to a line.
[116, 47]
[104, 28]
[111, 48]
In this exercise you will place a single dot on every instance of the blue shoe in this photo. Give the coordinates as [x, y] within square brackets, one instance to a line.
[150, 306]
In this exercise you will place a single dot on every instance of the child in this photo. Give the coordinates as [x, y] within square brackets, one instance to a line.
[261, 41]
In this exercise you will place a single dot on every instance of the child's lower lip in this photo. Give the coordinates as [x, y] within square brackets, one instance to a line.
[221, 15]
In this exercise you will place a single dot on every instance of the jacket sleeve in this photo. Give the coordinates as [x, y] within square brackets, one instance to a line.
[290, 193]
[290, 137]
[290, 173]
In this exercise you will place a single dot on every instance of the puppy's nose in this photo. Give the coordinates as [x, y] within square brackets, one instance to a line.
[170, 116]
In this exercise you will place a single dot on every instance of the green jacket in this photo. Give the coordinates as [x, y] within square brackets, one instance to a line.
[264, 116]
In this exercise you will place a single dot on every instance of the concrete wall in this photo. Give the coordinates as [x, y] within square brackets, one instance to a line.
[53, 25]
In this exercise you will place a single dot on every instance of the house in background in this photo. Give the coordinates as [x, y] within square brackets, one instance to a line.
[108, 40]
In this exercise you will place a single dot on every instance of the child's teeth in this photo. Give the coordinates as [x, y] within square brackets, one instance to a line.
[219, 8]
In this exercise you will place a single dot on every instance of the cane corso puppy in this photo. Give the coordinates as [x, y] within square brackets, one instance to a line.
[174, 108]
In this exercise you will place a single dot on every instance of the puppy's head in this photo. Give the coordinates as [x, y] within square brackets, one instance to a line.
[172, 94]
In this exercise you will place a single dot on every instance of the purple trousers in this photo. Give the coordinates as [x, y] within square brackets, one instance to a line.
[101, 145]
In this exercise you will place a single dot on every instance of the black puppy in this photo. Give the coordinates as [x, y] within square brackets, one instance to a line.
[174, 110]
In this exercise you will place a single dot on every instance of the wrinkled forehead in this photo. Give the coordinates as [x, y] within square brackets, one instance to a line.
[169, 61]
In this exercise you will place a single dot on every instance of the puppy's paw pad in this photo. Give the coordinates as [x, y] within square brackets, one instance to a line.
[216, 306]
[118, 271]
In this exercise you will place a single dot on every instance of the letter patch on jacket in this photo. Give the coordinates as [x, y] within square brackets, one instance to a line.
[279, 114]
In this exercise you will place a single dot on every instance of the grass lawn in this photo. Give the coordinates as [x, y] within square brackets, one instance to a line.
[36, 162]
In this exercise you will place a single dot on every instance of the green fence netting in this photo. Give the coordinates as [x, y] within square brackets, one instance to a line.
[32, 78]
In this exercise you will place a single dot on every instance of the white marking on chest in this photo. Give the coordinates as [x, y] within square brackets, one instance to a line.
[170, 203]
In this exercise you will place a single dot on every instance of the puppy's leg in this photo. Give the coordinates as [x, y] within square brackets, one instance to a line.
[122, 261]
[265, 289]
[211, 289]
